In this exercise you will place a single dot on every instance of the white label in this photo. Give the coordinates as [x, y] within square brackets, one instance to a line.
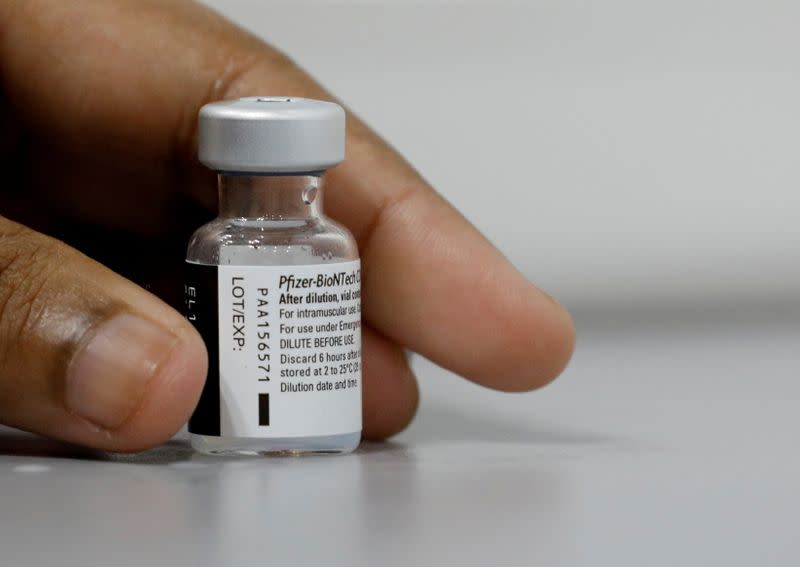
[290, 350]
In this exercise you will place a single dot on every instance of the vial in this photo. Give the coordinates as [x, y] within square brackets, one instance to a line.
[273, 285]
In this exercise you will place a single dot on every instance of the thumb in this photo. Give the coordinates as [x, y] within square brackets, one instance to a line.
[86, 356]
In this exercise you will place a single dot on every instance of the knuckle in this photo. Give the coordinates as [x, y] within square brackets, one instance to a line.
[27, 263]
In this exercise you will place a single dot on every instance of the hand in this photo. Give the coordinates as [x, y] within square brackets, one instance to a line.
[99, 105]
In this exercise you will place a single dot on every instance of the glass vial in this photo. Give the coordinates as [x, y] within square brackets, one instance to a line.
[273, 285]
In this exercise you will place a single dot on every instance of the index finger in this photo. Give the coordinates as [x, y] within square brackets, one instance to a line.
[431, 281]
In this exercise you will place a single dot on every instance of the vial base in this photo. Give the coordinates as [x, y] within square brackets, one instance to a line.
[279, 446]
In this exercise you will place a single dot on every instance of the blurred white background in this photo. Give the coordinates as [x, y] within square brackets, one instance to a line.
[624, 153]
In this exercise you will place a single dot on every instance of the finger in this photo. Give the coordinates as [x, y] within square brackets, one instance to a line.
[390, 394]
[432, 282]
[86, 356]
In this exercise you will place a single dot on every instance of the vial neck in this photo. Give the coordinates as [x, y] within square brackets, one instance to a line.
[270, 197]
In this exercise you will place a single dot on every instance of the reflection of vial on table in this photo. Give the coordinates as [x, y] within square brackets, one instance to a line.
[273, 285]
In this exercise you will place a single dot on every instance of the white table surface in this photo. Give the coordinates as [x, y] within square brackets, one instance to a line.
[671, 440]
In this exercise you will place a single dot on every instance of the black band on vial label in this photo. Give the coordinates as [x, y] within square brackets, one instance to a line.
[263, 409]
[202, 310]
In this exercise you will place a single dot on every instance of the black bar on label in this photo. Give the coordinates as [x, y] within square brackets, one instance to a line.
[263, 409]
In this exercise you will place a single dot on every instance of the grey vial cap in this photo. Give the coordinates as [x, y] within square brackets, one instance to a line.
[271, 135]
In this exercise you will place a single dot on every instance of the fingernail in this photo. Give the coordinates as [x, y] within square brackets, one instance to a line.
[108, 376]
